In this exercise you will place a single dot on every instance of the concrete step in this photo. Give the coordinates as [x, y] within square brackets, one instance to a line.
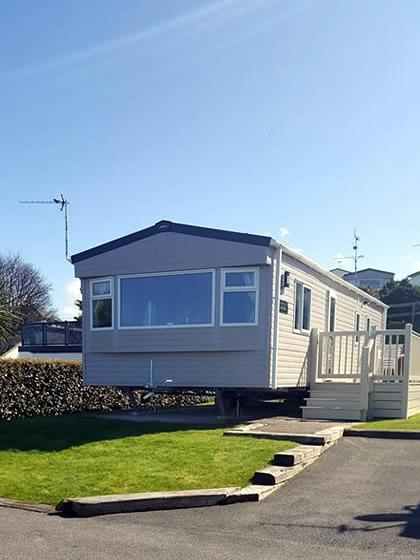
[321, 413]
[325, 402]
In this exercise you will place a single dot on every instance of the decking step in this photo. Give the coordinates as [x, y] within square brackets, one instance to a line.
[335, 388]
[321, 413]
[331, 395]
[331, 402]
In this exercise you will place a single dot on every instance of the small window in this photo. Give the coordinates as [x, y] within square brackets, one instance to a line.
[332, 311]
[239, 297]
[101, 304]
[368, 324]
[303, 297]
[357, 325]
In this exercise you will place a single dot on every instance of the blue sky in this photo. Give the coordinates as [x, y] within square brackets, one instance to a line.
[297, 118]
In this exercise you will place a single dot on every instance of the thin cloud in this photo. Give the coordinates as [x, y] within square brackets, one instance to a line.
[198, 16]
[284, 232]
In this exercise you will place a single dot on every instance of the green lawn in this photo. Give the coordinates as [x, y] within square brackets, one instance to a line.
[412, 423]
[46, 459]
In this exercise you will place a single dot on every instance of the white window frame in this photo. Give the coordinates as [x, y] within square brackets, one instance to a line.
[255, 288]
[300, 329]
[92, 298]
[169, 273]
[331, 295]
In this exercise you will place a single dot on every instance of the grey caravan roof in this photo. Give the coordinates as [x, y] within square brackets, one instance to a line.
[165, 226]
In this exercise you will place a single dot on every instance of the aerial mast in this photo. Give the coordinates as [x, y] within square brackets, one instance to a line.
[62, 204]
[355, 258]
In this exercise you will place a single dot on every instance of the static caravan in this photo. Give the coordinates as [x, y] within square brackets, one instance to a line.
[179, 306]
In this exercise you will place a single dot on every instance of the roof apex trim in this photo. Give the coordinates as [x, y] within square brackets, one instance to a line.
[168, 226]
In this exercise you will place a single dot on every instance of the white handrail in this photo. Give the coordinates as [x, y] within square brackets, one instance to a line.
[340, 354]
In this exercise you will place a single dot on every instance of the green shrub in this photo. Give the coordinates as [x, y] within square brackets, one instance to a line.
[52, 387]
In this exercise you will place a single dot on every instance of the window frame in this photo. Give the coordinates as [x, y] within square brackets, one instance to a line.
[331, 295]
[300, 328]
[223, 289]
[167, 273]
[93, 298]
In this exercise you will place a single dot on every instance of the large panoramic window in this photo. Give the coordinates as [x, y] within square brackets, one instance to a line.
[239, 297]
[303, 297]
[101, 304]
[167, 300]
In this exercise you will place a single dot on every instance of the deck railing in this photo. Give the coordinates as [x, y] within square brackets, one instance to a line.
[415, 358]
[340, 355]
[57, 333]
[385, 365]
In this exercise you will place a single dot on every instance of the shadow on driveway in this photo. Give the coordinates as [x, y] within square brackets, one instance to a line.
[408, 519]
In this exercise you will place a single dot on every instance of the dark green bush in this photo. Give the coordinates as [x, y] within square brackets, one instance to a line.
[50, 388]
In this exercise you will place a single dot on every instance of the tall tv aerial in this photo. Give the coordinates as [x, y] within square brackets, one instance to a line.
[62, 204]
[356, 257]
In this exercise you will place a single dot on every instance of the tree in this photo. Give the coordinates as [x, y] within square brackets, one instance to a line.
[26, 292]
[78, 303]
[399, 292]
[7, 320]
[371, 291]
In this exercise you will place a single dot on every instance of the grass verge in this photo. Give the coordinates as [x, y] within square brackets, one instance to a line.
[44, 460]
[412, 423]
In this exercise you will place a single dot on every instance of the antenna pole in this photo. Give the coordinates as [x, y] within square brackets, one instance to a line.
[356, 256]
[63, 205]
[66, 230]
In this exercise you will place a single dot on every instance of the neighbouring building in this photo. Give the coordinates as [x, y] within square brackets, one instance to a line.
[48, 340]
[369, 277]
[414, 278]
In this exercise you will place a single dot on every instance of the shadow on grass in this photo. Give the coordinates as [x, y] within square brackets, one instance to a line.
[57, 433]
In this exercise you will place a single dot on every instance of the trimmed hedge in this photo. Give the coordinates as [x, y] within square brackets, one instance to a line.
[52, 387]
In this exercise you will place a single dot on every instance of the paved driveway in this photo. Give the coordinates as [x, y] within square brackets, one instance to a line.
[359, 501]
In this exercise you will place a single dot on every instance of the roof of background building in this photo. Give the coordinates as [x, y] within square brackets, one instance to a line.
[371, 270]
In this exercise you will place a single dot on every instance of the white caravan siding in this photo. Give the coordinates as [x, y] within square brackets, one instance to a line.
[293, 346]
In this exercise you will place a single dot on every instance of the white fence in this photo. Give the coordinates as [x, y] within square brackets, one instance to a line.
[341, 354]
[385, 364]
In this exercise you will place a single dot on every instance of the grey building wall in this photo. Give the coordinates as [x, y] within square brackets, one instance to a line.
[219, 356]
